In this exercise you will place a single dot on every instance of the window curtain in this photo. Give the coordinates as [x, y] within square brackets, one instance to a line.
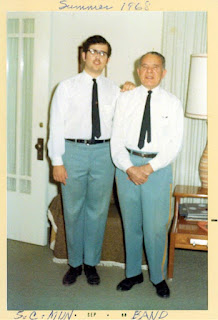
[185, 33]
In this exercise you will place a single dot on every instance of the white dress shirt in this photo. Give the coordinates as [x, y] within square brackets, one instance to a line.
[71, 112]
[166, 114]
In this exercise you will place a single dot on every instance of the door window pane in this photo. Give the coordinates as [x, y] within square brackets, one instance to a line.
[11, 184]
[13, 25]
[25, 186]
[28, 25]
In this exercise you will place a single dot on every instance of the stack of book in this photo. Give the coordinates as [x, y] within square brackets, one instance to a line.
[194, 211]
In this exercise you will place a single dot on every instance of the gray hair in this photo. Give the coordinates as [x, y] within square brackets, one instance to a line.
[155, 53]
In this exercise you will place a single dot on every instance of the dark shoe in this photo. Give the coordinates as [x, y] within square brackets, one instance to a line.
[162, 289]
[128, 283]
[91, 275]
[71, 275]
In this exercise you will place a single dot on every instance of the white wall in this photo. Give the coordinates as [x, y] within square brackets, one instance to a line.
[130, 35]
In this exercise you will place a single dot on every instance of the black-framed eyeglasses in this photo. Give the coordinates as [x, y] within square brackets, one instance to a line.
[95, 52]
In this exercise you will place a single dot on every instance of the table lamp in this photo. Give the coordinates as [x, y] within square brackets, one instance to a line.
[196, 106]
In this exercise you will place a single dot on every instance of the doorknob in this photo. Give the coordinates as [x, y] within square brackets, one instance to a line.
[39, 147]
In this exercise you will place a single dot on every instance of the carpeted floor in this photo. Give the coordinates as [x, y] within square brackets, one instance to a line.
[35, 283]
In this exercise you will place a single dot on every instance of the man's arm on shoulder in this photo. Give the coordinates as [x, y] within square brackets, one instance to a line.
[128, 85]
[120, 155]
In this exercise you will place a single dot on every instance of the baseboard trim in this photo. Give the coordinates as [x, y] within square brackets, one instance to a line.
[60, 261]
[117, 264]
[101, 264]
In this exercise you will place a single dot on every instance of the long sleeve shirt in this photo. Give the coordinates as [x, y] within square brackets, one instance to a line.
[166, 115]
[71, 112]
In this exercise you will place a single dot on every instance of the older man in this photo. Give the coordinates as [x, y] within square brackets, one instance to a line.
[146, 138]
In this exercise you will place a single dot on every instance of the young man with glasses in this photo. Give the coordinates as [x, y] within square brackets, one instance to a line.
[80, 129]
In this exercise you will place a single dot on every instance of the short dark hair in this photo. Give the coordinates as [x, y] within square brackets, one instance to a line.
[95, 40]
[155, 53]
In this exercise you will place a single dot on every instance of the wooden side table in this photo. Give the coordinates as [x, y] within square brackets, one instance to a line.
[186, 234]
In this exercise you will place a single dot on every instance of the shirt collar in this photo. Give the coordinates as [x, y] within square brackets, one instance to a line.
[87, 76]
[154, 90]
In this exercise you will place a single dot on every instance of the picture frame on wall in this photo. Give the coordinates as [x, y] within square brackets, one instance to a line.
[80, 60]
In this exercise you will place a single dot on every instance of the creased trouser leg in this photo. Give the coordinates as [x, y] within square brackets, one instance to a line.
[146, 212]
[86, 199]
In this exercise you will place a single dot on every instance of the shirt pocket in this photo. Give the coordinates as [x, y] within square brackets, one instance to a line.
[164, 120]
[163, 126]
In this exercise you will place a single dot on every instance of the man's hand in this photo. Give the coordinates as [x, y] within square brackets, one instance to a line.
[148, 168]
[139, 175]
[128, 86]
[60, 174]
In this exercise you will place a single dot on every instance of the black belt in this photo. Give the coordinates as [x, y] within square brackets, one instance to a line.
[143, 155]
[91, 141]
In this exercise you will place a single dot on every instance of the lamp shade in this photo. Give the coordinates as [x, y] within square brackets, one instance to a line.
[196, 106]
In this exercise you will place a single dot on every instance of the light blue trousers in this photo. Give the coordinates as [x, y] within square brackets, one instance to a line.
[86, 199]
[146, 213]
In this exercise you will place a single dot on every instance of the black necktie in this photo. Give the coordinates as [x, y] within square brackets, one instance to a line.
[96, 131]
[146, 123]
